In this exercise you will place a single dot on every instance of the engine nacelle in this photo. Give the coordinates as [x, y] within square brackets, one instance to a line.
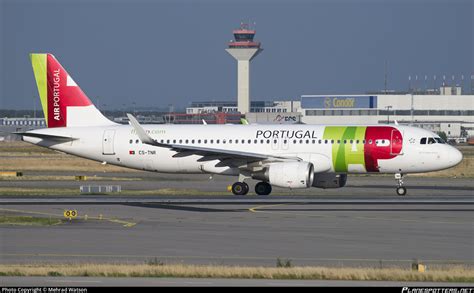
[289, 175]
[329, 180]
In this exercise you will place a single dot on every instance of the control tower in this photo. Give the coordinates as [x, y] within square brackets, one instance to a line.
[243, 48]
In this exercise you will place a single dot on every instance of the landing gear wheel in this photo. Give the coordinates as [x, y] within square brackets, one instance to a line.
[263, 188]
[401, 191]
[240, 188]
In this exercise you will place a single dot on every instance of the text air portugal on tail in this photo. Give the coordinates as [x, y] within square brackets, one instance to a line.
[64, 103]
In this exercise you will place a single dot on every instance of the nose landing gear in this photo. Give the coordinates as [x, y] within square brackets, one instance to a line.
[401, 190]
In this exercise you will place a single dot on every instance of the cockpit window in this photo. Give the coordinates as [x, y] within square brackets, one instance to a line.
[439, 140]
[431, 140]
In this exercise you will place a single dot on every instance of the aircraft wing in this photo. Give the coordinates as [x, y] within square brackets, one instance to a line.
[207, 153]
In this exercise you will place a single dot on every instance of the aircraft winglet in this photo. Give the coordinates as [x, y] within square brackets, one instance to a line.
[142, 135]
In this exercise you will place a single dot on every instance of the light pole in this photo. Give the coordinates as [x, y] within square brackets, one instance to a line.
[388, 113]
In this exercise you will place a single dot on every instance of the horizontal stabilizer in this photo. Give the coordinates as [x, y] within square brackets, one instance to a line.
[46, 136]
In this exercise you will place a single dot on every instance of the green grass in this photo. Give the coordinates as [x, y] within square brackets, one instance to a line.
[28, 221]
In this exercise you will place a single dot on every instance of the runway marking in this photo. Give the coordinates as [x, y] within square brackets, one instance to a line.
[256, 210]
[125, 224]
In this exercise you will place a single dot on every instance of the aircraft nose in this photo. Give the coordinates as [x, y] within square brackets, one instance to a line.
[455, 157]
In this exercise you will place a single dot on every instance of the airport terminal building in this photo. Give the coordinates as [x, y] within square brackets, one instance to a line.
[452, 114]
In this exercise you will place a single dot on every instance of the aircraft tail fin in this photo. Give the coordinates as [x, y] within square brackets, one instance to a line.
[64, 103]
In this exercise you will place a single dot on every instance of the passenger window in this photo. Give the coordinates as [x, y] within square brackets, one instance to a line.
[338, 141]
[319, 141]
[217, 141]
[180, 141]
[212, 141]
[243, 140]
[294, 141]
[325, 141]
[136, 141]
[332, 141]
[161, 141]
[205, 141]
[249, 141]
[223, 141]
[131, 141]
[167, 141]
[255, 141]
[423, 140]
[285, 141]
[307, 141]
[275, 141]
[261, 141]
[363, 141]
[370, 141]
[199, 141]
[268, 141]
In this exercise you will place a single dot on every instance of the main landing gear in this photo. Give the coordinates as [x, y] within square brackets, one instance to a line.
[263, 188]
[401, 190]
[242, 188]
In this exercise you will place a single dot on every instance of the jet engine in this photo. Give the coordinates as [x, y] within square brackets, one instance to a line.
[329, 180]
[288, 175]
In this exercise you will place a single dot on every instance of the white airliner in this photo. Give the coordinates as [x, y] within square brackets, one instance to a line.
[291, 156]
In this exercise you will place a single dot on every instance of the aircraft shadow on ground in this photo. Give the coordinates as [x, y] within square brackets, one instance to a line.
[182, 208]
[419, 187]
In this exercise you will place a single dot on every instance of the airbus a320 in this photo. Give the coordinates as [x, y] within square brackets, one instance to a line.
[290, 156]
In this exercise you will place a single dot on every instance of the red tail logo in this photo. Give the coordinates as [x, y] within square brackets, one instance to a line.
[63, 92]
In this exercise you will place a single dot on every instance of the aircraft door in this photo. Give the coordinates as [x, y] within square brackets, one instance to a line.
[396, 143]
[108, 142]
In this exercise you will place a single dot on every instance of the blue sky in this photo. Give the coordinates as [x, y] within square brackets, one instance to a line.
[156, 53]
